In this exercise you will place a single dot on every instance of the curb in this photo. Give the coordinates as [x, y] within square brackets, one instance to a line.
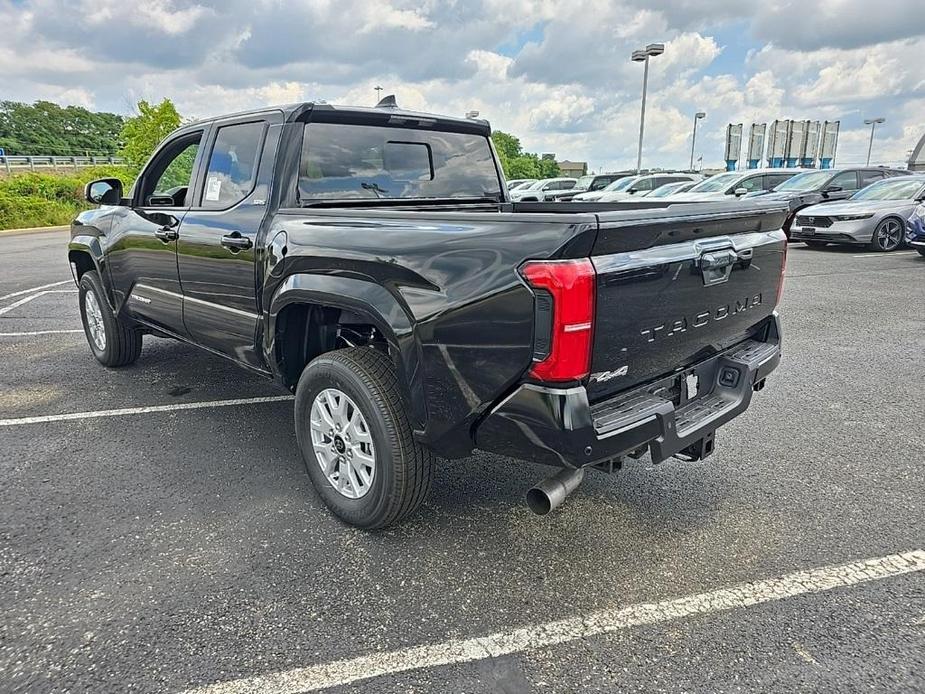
[33, 230]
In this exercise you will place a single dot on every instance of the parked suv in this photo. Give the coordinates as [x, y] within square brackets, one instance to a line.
[587, 184]
[543, 189]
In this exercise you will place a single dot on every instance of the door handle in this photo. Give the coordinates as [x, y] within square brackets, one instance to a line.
[235, 242]
[166, 234]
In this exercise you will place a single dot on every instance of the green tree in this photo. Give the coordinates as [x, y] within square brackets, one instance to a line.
[141, 134]
[47, 128]
[519, 164]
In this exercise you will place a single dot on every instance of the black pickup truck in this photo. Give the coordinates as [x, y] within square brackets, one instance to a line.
[370, 261]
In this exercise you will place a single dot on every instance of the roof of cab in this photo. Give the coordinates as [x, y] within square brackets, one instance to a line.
[320, 111]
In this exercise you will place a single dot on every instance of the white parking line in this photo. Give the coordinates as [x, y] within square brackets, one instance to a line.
[35, 289]
[885, 255]
[27, 299]
[39, 332]
[16, 421]
[344, 672]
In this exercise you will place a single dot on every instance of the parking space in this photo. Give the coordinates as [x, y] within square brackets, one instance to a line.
[166, 548]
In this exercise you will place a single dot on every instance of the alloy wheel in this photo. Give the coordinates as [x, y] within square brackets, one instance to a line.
[95, 325]
[342, 443]
[889, 234]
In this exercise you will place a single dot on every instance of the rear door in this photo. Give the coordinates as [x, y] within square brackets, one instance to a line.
[673, 290]
[218, 244]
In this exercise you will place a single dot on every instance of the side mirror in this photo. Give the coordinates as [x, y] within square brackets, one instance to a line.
[739, 192]
[633, 191]
[831, 189]
[104, 191]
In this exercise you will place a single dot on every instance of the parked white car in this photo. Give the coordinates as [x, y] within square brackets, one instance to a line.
[519, 183]
[737, 183]
[643, 185]
[594, 195]
[537, 192]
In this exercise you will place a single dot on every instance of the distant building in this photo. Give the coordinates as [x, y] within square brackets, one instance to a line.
[573, 168]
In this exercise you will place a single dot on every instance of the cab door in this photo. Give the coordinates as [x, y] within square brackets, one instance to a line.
[142, 256]
[218, 247]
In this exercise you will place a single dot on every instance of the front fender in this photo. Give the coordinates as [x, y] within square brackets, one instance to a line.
[90, 246]
[364, 298]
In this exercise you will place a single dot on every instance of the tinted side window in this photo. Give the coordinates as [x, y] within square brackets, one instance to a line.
[750, 184]
[168, 176]
[868, 177]
[232, 165]
[846, 180]
[774, 180]
[599, 183]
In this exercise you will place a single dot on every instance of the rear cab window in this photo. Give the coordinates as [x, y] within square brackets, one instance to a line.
[344, 161]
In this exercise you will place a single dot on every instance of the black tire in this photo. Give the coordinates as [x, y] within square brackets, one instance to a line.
[816, 244]
[122, 340]
[897, 229]
[403, 469]
[921, 251]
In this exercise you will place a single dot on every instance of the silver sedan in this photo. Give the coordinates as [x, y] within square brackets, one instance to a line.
[874, 216]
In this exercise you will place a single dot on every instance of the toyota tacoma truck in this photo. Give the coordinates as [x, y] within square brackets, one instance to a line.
[370, 261]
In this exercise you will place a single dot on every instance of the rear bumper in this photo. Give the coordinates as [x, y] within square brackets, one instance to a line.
[558, 426]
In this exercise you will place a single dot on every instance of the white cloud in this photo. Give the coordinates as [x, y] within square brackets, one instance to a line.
[557, 75]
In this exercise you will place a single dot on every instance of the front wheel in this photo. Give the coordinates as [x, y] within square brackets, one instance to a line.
[356, 440]
[113, 341]
[921, 251]
[888, 236]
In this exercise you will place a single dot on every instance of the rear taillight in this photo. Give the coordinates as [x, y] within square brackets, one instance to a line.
[783, 271]
[564, 318]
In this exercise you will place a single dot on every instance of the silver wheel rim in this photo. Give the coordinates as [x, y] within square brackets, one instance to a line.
[889, 234]
[342, 443]
[94, 320]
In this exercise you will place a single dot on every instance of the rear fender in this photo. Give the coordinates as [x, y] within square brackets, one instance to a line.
[367, 299]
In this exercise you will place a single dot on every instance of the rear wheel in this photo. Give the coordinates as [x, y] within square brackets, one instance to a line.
[356, 440]
[113, 341]
[816, 244]
[888, 236]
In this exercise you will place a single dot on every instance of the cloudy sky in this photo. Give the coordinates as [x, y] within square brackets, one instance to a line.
[555, 73]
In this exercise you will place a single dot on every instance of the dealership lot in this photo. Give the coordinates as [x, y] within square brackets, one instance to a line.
[163, 548]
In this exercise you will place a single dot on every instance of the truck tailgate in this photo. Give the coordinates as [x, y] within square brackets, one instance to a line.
[679, 285]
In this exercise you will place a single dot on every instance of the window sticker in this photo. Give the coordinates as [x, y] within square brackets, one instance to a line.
[213, 188]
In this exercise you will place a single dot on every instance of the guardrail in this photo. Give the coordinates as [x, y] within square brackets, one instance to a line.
[17, 163]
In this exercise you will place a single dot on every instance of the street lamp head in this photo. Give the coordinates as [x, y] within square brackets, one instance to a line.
[655, 49]
[639, 56]
[699, 115]
[871, 121]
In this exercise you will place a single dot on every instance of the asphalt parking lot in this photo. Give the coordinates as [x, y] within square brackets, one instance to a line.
[166, 549]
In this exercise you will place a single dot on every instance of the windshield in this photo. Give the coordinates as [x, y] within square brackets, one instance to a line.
[522, 184]
[347, 161]
[890, 190]
[666, 190]
[717, 184]
[622, 183]
[583, 183]
[805, 182]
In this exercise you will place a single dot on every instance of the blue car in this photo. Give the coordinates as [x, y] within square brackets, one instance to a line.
[915, 229]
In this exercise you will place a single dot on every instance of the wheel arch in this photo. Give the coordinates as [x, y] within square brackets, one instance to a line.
[84, 253]
[309, 315]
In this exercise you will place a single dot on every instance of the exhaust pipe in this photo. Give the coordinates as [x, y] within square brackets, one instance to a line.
[552, 491]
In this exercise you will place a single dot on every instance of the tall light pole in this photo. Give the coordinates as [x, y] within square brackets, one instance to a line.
[872, 122]
[378, 92]
[697, 117]
[642, 56]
